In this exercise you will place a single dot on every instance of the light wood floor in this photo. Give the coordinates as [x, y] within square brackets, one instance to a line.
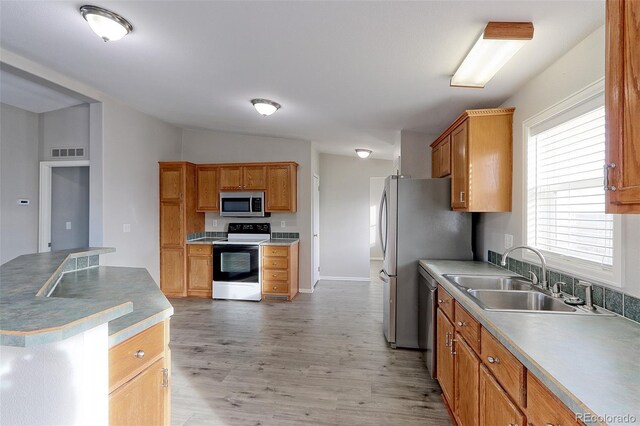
[321, 359]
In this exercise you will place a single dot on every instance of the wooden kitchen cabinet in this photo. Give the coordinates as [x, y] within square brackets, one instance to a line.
[280, 270]
[178, 218]
[139, 378]
[622, 106]
[544, 408]
[441, 158]
[504, 367]
[444, 357]
[479, 153]
[495, 406]
[243, 177]
[467, 372]
[282, 187]
[200, 270]
[207, 189]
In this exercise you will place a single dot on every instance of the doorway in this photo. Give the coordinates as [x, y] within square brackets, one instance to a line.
[316, 229]
[64, 205]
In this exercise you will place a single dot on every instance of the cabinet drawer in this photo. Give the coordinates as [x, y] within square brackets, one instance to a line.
[275, 275]
[134, 354]
[545, 408]
[468, 327]
[275, 286]
[274, 263]
[446, 303]
[504, 366]
[203, 249]
[278, 251]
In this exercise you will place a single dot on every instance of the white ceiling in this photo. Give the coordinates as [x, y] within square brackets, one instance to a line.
[348, 74]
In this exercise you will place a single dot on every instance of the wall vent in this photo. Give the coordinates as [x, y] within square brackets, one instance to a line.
[67, 152]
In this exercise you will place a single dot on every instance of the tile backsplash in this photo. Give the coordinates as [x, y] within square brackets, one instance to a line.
[614, 300]
[216, 234]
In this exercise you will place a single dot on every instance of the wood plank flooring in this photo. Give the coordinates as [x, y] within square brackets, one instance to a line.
[321, 359]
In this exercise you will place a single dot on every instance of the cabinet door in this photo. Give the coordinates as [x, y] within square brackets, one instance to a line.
[142, 400]
[436, 155]
[200, 271]
[623, 105]
[495, 406]
[207, 185]
[172, 231]
[281, 189]
[171, 178]
[444, 356]
[254, 178]
[445, 157]
[544, 408]
[230, 177]
[172, 271]
[467, 381]
[459, 172]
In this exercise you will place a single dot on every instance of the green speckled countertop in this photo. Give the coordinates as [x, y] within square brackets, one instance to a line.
[591, 363]
[127, 298]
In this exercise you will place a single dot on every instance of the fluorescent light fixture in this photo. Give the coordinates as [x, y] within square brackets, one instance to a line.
[363, 153]
[265, 106]
[108, 25]
[495, 47]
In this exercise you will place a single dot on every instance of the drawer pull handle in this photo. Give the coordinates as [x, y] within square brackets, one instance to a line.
[442, 301]
[274, 275]
[165, 378]
[493, 360]
[461, 323]
[139, 354]
[274, 287]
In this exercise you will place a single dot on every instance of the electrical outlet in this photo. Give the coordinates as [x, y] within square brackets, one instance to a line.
[283, 224]
[68, 224]
[215, 223]
[126, 227]
[508, 241]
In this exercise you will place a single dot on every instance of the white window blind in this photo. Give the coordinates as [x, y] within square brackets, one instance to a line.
[566, 200]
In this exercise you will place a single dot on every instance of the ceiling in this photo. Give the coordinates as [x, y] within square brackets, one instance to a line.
[348, 74]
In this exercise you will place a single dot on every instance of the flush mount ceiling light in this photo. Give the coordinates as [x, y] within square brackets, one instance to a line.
[265, 106]
[108, 25]
[363, 153]
[497, 44]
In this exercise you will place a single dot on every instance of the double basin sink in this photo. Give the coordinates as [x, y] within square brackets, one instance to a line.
[512, 294]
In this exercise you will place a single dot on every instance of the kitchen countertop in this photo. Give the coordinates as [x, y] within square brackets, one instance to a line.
[127, 298]
[271, 242]
[589, 362]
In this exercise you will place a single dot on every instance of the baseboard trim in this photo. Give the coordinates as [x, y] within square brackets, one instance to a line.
[305, 290]
[376, 258]
[359, 279]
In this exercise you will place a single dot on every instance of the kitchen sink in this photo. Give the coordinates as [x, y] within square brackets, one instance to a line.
[489, 282]
[530, 301]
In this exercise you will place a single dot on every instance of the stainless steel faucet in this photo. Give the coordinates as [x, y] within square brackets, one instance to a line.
[543, 262]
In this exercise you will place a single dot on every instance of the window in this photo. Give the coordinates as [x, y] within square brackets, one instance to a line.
[565, 203]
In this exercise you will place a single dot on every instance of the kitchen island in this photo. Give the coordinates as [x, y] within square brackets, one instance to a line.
[588, 362]
[72, 335]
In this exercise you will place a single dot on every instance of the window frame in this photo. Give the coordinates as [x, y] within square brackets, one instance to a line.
[574, 266]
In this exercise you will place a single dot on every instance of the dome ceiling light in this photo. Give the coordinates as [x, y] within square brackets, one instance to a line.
[107, 24]
[265, 107]
[363, 153]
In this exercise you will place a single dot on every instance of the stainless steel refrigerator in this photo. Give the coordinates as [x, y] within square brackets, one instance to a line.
[415, 222]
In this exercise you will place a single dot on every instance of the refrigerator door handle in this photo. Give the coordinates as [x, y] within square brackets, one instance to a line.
[383, 242]
[383, 276]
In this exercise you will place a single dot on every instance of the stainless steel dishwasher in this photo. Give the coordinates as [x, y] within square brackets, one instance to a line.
[427, 319]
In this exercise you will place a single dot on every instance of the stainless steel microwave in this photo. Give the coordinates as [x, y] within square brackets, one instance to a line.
[242, 204]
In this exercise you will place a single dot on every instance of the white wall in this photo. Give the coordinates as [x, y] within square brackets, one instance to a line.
[124, 170]
[207, 146]
[376, 187]
[415, 154]
[18, 179]
[344, 213]
[581, 66]
[64, 128]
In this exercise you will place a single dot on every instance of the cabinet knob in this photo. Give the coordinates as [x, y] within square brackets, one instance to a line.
[139, 354]
[442, 301]
[461, 323]
[274, 287]
[493, 360]
[274, 275]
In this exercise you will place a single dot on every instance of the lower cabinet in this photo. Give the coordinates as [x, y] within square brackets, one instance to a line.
[444, 357]
[496, 407]
[467, 383]
[280, 270]
[139, 373]
[200, 270]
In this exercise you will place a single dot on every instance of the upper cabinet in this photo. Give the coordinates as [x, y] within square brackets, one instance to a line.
[622, 94]
[243, 178]
[277, 180]
[476, 150]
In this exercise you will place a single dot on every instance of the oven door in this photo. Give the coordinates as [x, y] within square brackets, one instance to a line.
[236, 263]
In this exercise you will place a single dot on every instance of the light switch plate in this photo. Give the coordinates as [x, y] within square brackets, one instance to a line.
[126, 227]
[68, 225]
[215, 223]
[283, 224]
[508, 241]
